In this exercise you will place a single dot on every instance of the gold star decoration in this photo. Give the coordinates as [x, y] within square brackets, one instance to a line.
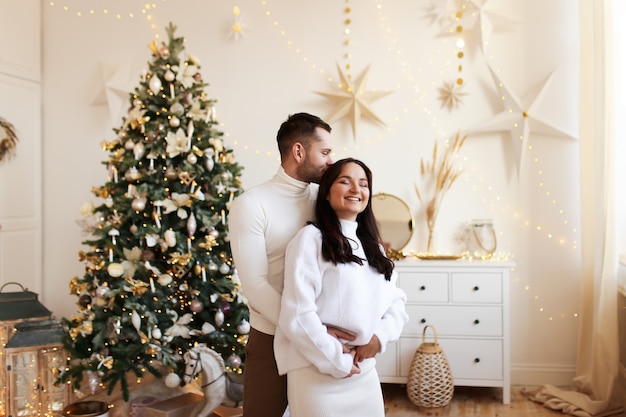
[450, 95]
[353, 101]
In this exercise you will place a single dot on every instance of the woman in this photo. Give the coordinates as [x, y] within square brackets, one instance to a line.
[337, 276]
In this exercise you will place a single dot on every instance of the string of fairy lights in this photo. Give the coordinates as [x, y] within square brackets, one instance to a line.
[451, 60]
[115, 9]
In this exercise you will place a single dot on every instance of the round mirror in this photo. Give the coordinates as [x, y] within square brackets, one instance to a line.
[394, 220]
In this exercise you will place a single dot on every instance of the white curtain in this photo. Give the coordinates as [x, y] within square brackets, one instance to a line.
[598, 352]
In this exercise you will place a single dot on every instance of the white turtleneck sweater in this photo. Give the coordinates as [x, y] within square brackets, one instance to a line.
[261, 223]
[353, 297]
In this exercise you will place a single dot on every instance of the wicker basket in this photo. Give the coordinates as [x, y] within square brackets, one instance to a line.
[430, 381]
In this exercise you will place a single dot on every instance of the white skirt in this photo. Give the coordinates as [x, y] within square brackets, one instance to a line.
[312, 394]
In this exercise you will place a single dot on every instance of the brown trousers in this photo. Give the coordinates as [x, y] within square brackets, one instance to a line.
[265, 392]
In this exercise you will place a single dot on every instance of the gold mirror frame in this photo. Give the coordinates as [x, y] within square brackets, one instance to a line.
[395, 221]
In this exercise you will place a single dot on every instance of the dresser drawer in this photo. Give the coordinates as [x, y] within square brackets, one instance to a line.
[468, 359]
[455, 320]
[424, 287]
[476, 287]
[474, 359]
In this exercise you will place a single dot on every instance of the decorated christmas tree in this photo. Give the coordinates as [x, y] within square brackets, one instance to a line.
[159, 276]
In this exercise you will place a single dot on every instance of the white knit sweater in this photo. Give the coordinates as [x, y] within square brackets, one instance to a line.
[261, 222]
[350, 296]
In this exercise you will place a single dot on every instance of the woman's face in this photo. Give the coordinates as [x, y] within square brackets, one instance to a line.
[349, 194]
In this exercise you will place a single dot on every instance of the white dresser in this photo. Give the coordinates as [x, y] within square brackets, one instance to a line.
[467, 302]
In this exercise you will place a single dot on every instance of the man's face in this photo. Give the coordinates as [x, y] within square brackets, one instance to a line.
[317, 158]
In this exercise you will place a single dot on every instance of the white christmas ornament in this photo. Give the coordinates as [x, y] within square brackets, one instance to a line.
[138, 204]
[192, 225]
[219, 317]
[177, 109]
[156, 333]
[170, 238]
[139, 150]
[174, 121]
[132, 174]
[115, 270]
[164, 279]
[102, 290]
[209, 164]
[172, 380]
[244, 327]
[136, 320]
[154, 84]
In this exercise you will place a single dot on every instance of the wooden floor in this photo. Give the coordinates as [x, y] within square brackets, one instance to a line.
[466, 402]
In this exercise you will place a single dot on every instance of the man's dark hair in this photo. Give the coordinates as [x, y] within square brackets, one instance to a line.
[299, 127]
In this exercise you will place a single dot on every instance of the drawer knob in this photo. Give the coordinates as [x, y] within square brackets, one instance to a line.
[476, 321]
[423, 288]
[476, 360]
[423, 321]
[476, 288]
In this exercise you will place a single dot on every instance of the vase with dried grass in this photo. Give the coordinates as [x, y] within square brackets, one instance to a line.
[438, 176]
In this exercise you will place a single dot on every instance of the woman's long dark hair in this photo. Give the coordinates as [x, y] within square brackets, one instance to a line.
[335, 246]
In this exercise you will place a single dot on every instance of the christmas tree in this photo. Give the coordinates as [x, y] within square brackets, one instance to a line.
[159, 276]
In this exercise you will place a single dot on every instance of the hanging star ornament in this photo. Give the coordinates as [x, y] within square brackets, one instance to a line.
[353, 101]
[518, 119]
[117, 85]
[442, 12]
[450, 95]
[486, 22]
[237, 27]
[469, 20]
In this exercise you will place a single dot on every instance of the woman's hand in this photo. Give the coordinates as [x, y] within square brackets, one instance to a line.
[367, 351]
[355, 366]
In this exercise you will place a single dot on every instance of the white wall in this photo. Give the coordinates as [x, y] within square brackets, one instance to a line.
[290, 50]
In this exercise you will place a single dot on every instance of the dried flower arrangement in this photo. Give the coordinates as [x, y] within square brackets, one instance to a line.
[8, 140]
[440, 174]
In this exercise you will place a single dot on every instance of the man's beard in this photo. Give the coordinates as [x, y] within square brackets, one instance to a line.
[310, 173]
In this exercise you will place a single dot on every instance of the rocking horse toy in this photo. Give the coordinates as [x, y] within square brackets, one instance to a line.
[219, 386]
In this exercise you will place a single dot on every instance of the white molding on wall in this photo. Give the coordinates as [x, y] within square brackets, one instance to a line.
[539, 374]
[20, 43]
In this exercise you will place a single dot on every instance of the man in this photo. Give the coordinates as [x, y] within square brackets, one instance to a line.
[262, 221]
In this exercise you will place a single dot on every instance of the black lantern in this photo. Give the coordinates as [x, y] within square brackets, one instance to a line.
[32, 355]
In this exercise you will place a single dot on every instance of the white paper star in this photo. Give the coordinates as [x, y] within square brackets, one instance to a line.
[519, 119]
[118, 85]
[477, 23]
[442, 12]
[237, 27]
[353, 101]
[487, 22]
